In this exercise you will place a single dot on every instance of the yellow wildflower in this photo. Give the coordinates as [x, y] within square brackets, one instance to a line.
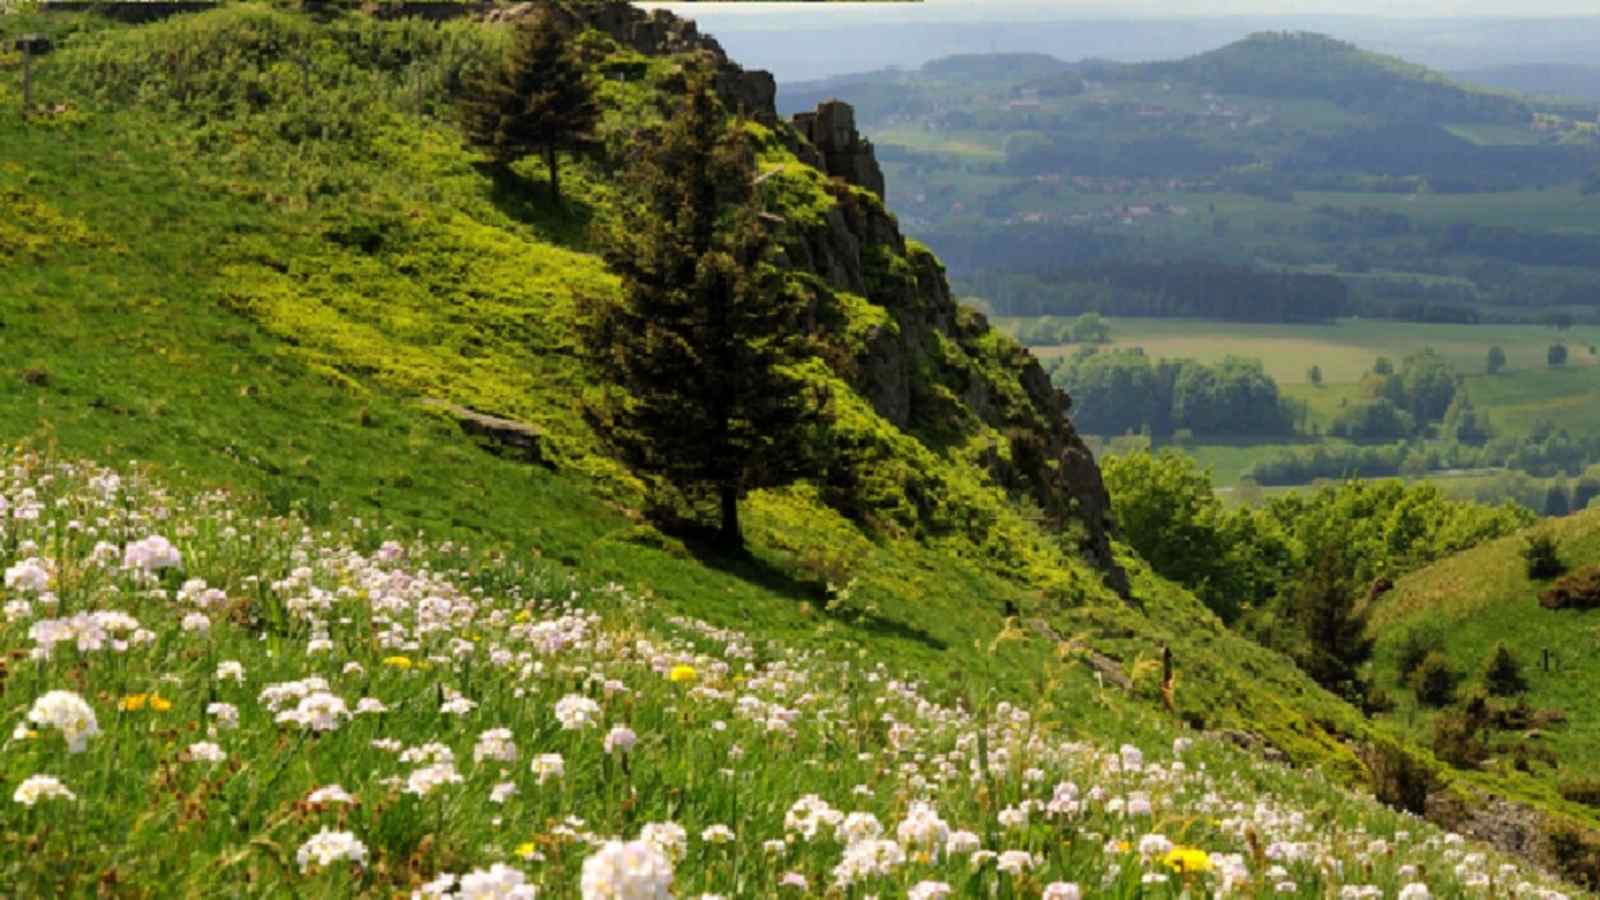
[680, 674]
[525, 849]
[1187, 860]
[133, 702]
[397, 662]
[160, 703]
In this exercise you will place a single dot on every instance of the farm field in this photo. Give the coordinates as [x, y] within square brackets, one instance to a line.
[1526, 395]
[1345, 349]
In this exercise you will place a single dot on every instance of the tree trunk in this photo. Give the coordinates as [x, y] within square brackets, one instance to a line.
[554, 166]
[728, 534]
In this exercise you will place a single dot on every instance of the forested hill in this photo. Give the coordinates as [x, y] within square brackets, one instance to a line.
[1427, 198]
[1308, 66]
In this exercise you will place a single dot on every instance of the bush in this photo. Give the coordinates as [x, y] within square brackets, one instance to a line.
[1586, 791]
[1416, 644]
[1580, 590]
[1542, 558]
[1399, 779]
[1503, 676]
[1455, 740]
[1435, 681]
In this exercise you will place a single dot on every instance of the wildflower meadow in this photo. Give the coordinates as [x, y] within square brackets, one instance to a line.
[204, 700]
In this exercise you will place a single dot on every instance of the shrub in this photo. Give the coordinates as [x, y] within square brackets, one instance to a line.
[1455, 740]
[1416, 644]
[1503, 676]
[1542, 558]
[1435, 681]
[1580, 590]
[1585, 791]
[1399, 779]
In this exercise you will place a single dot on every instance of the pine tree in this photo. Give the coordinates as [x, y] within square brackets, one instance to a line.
[536, 101]
[1503, 676]
[699, 347]
[1333, 626]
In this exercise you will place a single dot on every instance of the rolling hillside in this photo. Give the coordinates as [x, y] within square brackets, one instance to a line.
[1464, 608]
[246, 251]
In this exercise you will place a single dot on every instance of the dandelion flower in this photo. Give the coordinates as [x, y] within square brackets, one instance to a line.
[1187, 860]
[681, 674]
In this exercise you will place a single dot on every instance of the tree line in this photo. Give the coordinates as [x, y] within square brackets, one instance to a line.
[1122, 391]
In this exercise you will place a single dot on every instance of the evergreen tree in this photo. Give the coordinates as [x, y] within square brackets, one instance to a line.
[699, 347]
[1556, 499]
[1333, 624]
[1503, 677]
[536, 101]
[1314, 375]
[1497, 360]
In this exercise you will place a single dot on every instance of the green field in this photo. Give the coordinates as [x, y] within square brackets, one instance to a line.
[1528, 393]
[1345, 350]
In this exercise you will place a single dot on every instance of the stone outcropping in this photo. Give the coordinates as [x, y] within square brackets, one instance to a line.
[831, 129]
[753, 93]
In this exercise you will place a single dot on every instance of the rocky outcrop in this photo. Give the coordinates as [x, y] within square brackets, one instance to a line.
[753, 93]
[502, 437]
[831, 129]
[857, 247]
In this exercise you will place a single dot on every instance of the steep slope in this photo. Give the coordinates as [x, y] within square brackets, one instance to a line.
[1464, 608]
[248, 247]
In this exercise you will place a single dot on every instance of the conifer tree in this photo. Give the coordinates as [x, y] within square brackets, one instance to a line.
[536, 101]
[698, 348]
[1503, 676]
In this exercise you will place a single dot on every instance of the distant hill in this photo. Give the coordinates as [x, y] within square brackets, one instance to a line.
[1434, 199]
[1572, 82]
[1301, 65]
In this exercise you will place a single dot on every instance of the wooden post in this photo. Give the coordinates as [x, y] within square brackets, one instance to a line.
[27, 78]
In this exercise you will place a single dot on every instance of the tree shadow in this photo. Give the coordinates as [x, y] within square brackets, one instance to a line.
[568, 221]
[746, 566]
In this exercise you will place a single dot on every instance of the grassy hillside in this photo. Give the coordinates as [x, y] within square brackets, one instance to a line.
[257, 707]
[1469, 604]
[247, 250]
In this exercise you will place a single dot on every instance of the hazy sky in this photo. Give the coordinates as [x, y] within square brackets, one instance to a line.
[947, 10]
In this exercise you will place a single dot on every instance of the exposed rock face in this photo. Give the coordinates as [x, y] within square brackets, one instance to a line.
[660, 33]
[845, 153]
[1047, 460]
